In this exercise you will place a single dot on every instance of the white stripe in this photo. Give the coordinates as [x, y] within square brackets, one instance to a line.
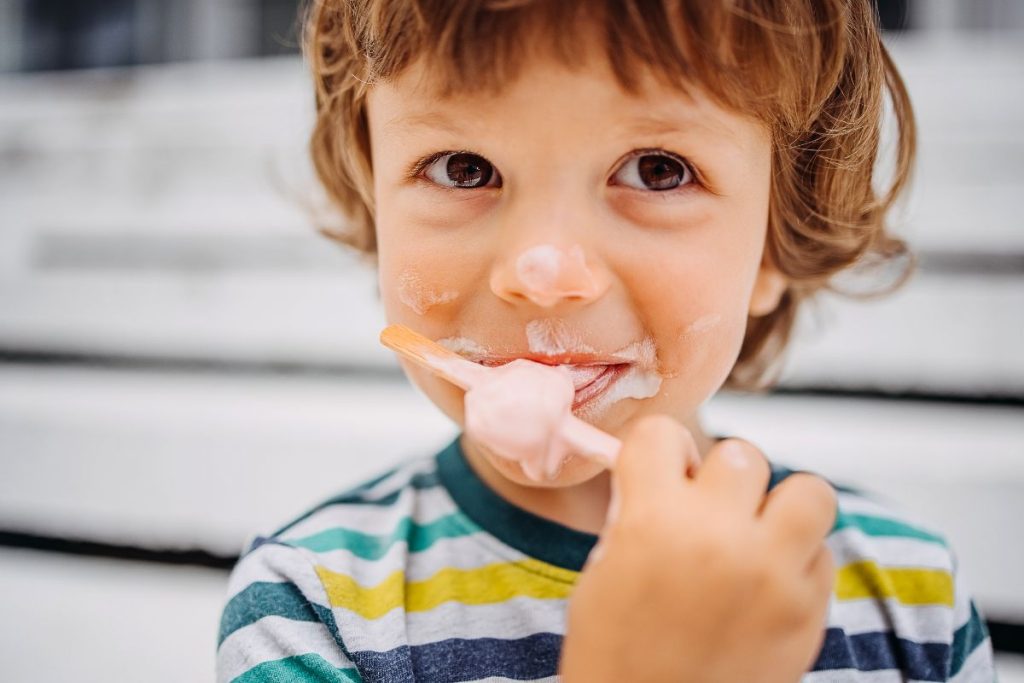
[499, 679]
[519, 617]
[866, 504]
[920, 623]
[400, 478]
[853, 545]
[465, 552]
[853, 676]
[273, 563]
[978, 667]
[424, 506]
[961, 601]
[272, 638]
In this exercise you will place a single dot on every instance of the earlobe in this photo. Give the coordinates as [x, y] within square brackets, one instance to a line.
[768, 289]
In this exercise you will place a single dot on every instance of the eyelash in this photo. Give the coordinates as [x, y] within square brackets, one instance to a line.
[696, 178]
[418, 167]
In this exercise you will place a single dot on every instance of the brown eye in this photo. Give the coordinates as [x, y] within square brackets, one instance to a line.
[461, 169]
[654, 171]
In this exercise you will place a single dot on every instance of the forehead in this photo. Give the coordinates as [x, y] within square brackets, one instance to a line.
[418, 101]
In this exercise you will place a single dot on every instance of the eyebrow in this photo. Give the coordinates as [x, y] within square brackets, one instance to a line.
[668, 125]
[430, 119]
[643, 125]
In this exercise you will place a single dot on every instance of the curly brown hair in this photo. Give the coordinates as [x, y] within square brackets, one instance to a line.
[815, 72]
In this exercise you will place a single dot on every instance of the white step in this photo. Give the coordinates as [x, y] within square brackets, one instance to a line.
[182, 461]
[97, 620]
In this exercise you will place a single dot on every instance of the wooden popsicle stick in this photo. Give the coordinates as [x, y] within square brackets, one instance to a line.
[585, 438]
[432, 356]
[590, 441]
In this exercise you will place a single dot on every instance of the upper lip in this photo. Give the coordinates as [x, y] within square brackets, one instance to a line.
[546, 359]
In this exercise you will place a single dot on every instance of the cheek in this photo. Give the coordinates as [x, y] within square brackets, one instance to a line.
[446, 396]
[418, 282]
[419, 296]
[697, 312]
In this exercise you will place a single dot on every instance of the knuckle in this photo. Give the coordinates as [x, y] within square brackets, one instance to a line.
[653, 426]
[818, 493]
[742, 454]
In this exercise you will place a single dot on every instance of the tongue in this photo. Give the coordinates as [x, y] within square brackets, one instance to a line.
[582, 375]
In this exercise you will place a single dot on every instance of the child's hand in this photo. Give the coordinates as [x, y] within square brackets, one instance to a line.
[702, 579]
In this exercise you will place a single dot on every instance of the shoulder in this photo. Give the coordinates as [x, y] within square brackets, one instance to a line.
[898, 601]
[281, 594]
[357, 528]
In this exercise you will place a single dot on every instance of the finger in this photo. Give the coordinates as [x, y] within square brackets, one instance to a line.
[800, 512]
[736, 473]
[653, 459]
[821, 578]
[821, 571]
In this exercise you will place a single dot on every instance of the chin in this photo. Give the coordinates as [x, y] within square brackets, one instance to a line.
[575, 470]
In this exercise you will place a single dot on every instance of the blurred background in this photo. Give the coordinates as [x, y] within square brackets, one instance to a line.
[177, 342]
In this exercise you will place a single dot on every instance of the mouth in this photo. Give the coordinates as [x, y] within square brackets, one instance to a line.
[591, 376]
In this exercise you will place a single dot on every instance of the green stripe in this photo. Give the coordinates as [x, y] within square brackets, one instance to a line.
[966, 640]
[371, 547]
[264, 599]
[298, 669]
[880, 526]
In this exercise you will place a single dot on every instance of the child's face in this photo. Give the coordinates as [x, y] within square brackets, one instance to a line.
[566, 221]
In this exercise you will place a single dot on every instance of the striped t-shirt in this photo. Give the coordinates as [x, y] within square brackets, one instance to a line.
[426, 574]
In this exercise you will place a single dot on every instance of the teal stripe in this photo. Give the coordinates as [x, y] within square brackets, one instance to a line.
[966, 640]
[371, 547]
[264, 599]
[298, 669]
[880, 526]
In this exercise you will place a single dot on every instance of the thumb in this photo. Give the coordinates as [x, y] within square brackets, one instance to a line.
[656, 453]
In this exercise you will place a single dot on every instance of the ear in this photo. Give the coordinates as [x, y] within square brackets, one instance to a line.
[768, 288]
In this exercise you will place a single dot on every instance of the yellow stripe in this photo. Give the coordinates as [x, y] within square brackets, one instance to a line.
[485, 585]
[909, 586]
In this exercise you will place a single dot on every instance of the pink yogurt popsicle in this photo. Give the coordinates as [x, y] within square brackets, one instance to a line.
[522, 411]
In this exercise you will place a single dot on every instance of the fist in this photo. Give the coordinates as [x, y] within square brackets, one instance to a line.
[699, 574]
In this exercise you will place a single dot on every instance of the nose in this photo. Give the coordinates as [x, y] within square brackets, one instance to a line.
[549, 275]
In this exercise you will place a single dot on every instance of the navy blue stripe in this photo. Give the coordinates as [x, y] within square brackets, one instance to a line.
[966, 640]
[457, 659]
[263, 599]
[878, 651]
[267, 598]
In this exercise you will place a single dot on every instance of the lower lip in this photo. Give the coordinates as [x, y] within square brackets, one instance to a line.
[599, 385]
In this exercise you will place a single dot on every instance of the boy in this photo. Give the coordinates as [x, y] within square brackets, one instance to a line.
[643, 192]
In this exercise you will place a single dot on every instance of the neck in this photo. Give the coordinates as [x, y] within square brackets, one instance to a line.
[582, 506]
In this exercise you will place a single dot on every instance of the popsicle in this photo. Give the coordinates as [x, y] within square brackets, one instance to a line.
[521, 410]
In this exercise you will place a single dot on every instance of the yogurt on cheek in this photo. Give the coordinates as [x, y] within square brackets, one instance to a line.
[641, 380]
